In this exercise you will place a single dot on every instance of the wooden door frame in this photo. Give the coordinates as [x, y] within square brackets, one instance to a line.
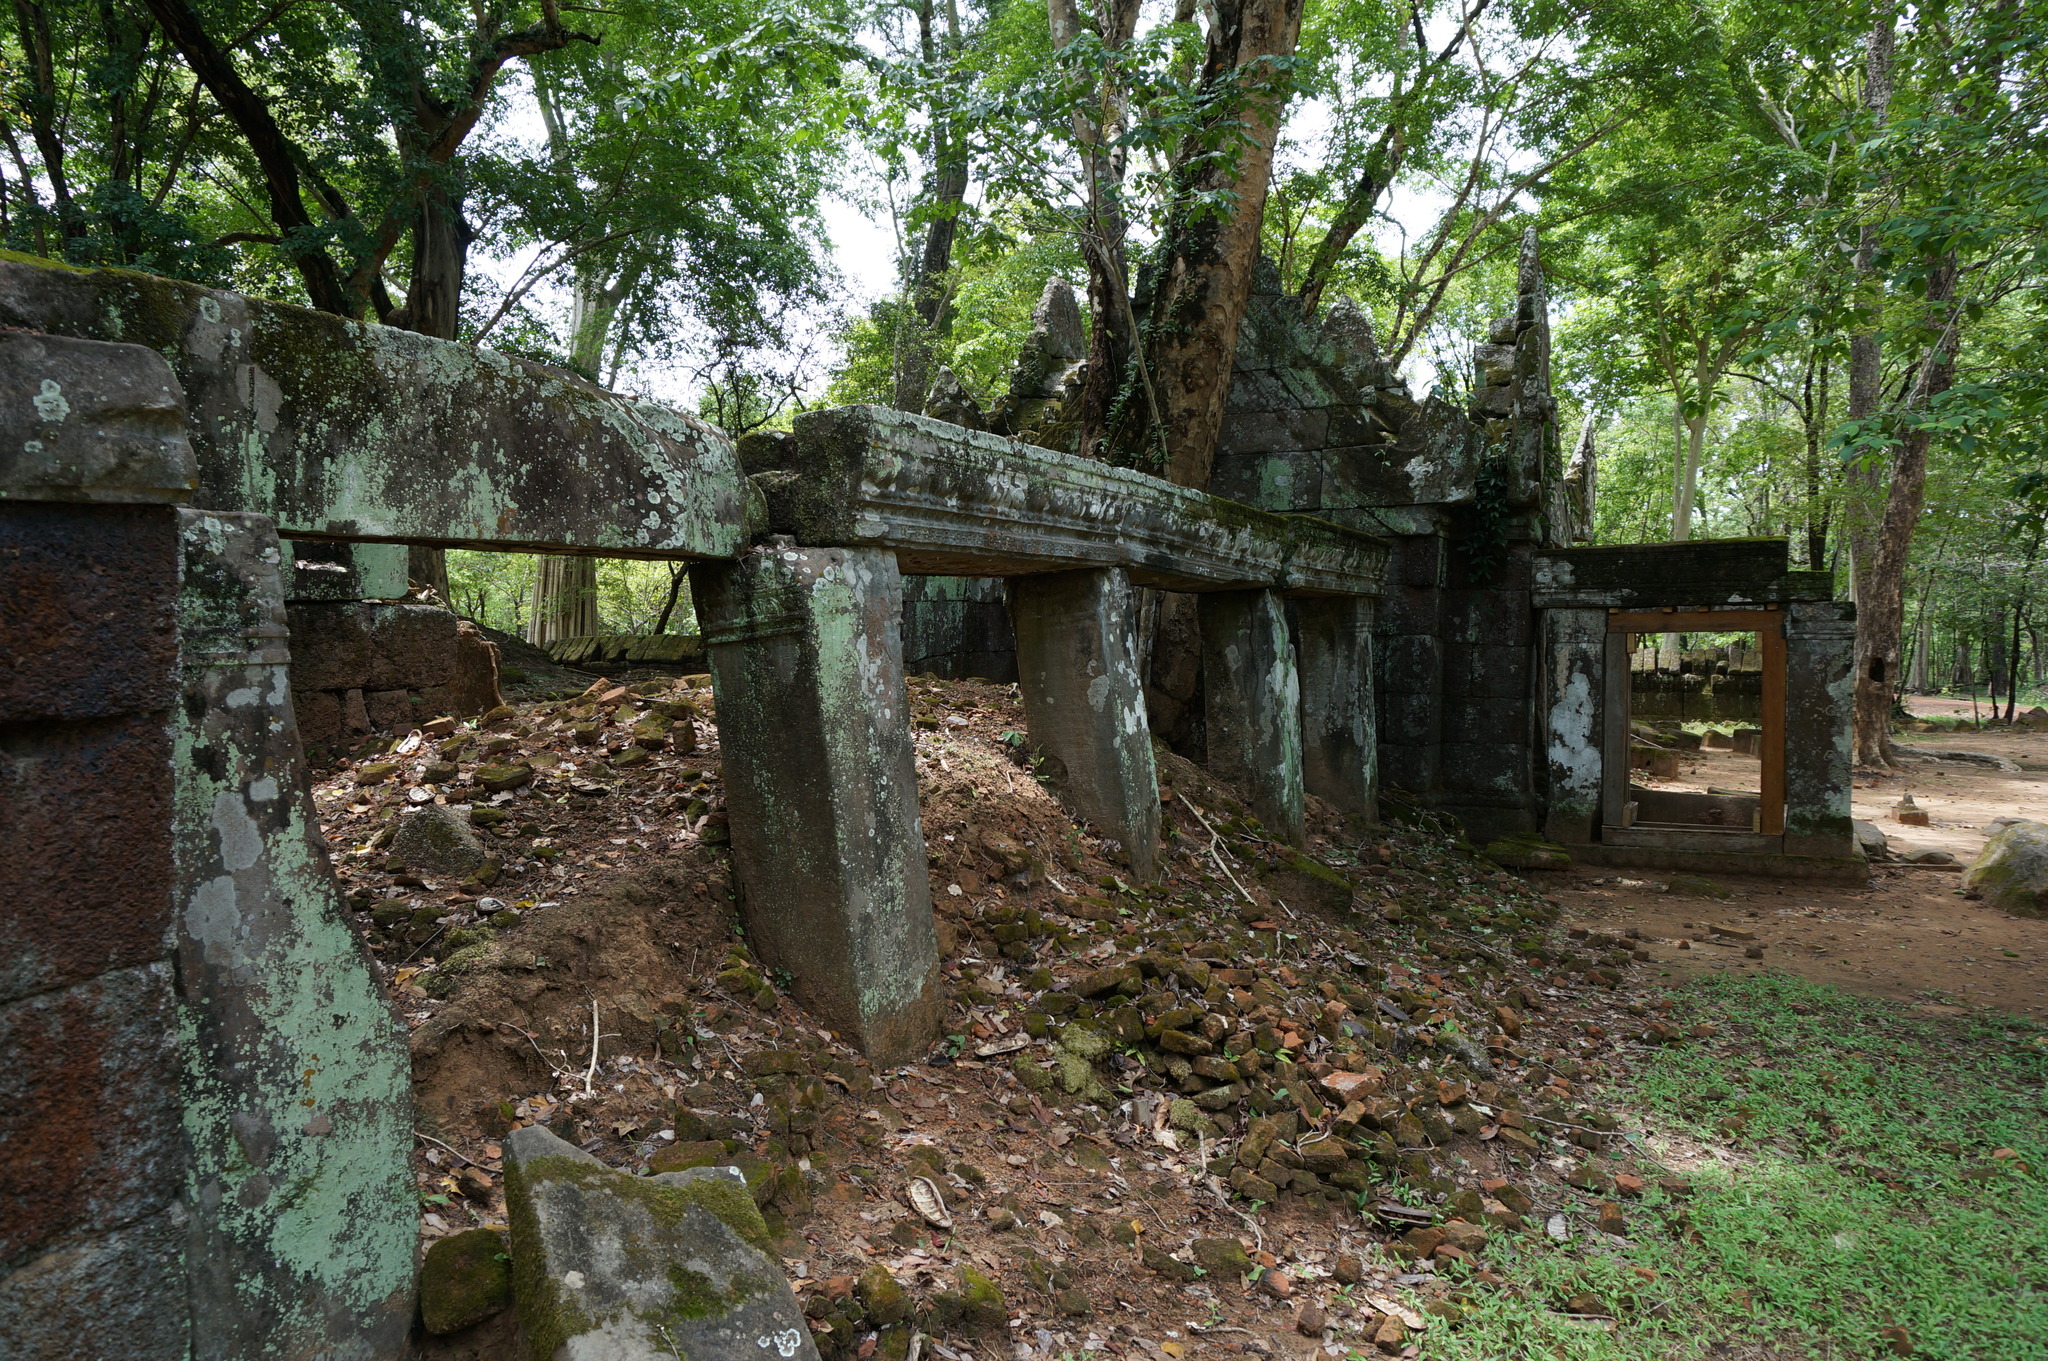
[1768, 624]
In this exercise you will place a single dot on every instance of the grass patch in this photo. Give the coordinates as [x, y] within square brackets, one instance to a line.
[1858, 1192]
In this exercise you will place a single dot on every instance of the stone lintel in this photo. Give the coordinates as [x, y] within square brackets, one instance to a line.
[346, 430]
[951, 501]
[297, 1081]
[1253, 700]
[1339, 728]
[1698, 573]
[814, 725]
[1084, 702]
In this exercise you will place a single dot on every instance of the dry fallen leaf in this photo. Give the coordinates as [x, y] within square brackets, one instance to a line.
[926, 1200]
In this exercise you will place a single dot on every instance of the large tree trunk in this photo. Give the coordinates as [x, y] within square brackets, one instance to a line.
[1111, 330]
[945, 193]
[1205, 280]
[1881, 589]
[564, 601]
[1862, 487]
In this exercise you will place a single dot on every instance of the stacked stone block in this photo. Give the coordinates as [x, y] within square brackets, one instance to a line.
[205, 1112]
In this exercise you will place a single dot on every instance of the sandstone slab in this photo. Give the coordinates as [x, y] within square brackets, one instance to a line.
[612, 1267]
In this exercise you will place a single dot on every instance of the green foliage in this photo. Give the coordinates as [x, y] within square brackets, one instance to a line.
[497, 589]
[1859, 1194]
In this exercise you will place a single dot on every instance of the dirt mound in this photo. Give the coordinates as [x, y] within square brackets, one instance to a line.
[1145, 1091]
[520, 1008]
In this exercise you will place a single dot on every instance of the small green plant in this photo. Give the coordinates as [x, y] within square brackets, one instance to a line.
[1879, 1170]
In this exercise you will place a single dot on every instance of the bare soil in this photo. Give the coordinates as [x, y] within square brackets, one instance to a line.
[599, 985]
[1910, 935]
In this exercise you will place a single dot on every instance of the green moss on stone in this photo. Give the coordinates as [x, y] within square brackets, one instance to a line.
[466, 1278]
[884, 1298]
[696, 1297]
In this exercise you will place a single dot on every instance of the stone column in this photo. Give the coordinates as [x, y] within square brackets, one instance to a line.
[1254, 705]
[1339, 728]
[297, 1080]
[814, 724]
[92, 1259]
[1085, 704]
[1573, 659]
[1820, 638]
[93, 458]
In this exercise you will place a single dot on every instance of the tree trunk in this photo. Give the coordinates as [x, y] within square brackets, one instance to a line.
[1881, 591]
[1205, 281]
[427, 569]
[1922, 646]
[1863, 491]
[945, 193]
[1687, 497]
[1817, 370]
[564, 601]
[1110, 332]
[1382, 163]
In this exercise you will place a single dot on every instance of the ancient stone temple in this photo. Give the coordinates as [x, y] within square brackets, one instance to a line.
[204, 503]
[1488, 601]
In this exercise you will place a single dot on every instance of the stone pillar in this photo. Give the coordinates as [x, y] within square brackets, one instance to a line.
[1339, 729]
[1410, 661]
[1084, 702]
[1572, 659]
[1254, 705]
[297, 1080]
[92, 1221]
[821, 783]
[1820, 638]
[92, 457]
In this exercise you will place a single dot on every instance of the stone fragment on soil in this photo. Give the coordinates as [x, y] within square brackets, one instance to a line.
[2011, 872]
[465, 1279]
[611, 1265]
[496, 779]
[431, 839]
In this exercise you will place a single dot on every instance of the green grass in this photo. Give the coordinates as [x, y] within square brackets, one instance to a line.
[1860, 1193]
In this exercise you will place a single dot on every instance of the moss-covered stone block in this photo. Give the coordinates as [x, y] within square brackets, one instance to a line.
[466, 1278]
[975, 1307]
[884, 1297]
[2012, 870]
[610, 1264]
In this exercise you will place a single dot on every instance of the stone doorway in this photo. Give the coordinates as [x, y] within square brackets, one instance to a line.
[1645, 802]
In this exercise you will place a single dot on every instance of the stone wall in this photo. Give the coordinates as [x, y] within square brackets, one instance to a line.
[92, 1220]
[1697, 698]
[957, 627]
[364, 666]
[205, 1111]
[1318, 423]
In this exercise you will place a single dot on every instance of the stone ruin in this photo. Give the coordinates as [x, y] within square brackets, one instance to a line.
[208, 1110]
[1487, 708]
[209, 1099]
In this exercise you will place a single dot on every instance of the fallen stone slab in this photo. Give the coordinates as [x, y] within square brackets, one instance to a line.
[345, 430]
[2012, 870]
[1974, 758]
[612, 1267]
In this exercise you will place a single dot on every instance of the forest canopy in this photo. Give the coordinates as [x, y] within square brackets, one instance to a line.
[1794, 251]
